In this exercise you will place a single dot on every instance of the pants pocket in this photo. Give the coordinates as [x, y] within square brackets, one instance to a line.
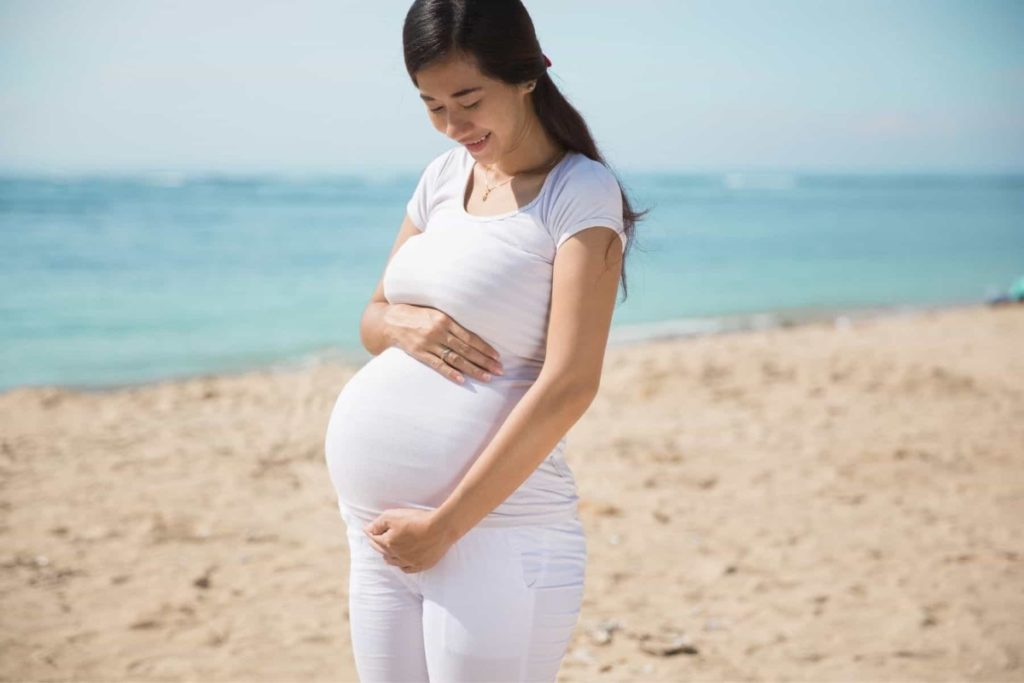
[529, 550]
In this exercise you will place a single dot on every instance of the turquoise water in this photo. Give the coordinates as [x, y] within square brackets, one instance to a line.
[119, 280]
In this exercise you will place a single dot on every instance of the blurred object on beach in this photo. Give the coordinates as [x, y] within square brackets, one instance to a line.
[1014, 295]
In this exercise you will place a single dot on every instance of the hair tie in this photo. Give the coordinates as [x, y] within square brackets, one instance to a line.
[546, 60]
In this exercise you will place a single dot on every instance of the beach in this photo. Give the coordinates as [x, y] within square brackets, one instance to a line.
[828, 501]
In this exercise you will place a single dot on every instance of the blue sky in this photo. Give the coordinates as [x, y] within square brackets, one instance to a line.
[318, 85]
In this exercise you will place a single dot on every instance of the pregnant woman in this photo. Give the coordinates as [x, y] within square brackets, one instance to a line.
[488, 329]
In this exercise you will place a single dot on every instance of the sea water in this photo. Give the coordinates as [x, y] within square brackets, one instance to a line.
[111, 280]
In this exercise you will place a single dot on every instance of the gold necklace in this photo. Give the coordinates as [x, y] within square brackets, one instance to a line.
[490, 187]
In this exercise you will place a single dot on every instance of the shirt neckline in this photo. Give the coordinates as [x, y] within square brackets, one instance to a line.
[466, 175]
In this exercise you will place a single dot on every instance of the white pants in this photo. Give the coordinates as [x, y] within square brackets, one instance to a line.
[501, 605]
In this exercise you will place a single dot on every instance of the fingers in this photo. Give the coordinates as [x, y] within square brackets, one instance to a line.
[444, 368]
[391, 559]
[469, 353]
[378, 547]
[472, 347]
[465, 358]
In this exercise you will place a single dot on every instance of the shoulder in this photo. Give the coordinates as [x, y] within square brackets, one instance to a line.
[435, 183]
[584, 178]
[585, 194]
[442, 163]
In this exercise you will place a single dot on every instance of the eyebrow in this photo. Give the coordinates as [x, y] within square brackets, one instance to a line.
[460, 93]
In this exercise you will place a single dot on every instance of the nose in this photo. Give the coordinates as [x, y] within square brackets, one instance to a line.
[456, 124]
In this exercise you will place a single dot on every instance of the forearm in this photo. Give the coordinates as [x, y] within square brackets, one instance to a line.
[375, 331]
[530, 432]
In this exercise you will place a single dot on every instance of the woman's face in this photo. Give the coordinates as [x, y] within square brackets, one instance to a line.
[465, 105]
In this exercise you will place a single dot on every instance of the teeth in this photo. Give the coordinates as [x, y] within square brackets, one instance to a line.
[479, 141]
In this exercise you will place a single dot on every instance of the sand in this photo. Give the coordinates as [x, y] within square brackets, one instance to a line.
[817, 502]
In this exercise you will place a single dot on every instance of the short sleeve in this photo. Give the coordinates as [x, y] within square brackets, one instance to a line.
[591, 197]
[419, 205]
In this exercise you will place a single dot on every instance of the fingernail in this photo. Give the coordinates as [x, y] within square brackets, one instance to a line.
[487, 376]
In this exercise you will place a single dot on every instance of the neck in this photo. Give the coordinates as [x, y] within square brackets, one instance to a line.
[534, 150]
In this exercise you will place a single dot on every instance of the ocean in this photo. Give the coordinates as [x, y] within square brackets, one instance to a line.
[116, 280]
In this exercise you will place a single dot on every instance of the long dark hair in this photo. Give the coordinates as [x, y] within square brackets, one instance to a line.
[499, 34]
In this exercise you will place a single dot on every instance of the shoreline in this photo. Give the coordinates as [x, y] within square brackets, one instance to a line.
[621, 336]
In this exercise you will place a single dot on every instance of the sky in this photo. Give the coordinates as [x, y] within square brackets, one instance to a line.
[320, 85]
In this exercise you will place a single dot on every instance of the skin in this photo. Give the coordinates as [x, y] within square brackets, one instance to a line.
[518, 142]
[584, 287]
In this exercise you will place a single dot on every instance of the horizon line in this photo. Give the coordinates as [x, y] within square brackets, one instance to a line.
[416, 169]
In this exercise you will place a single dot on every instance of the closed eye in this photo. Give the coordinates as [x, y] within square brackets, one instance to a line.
[468, 106]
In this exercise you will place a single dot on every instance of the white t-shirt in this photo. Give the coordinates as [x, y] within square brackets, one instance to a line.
[493, 273]
[403, 435]
[578, 193]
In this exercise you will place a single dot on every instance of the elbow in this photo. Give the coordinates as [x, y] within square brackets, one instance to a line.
[369, 330]
[364, 337]
[580, 397]
[587, 389]
[573, 390]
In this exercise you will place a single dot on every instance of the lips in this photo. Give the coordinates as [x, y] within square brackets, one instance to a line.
[470, 141]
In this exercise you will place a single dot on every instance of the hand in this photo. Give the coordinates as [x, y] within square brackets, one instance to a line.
[411, 539]
[425, 332]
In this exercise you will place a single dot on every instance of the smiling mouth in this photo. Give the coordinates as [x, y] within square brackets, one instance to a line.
[474, 142]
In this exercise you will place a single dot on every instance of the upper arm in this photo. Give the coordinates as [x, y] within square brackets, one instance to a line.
[424, 196]
[405, 231]
[417, 214]
[590, 197]
[584, 285]
[587, 228]
[417, 211]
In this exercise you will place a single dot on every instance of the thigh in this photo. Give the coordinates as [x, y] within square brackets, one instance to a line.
[503, 602]
[554, 558]
[385, 616]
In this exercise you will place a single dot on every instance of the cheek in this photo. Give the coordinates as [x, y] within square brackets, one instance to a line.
[504, 122]
[488, 122]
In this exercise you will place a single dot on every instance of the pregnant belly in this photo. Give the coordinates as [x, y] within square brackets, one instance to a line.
[402, 435]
